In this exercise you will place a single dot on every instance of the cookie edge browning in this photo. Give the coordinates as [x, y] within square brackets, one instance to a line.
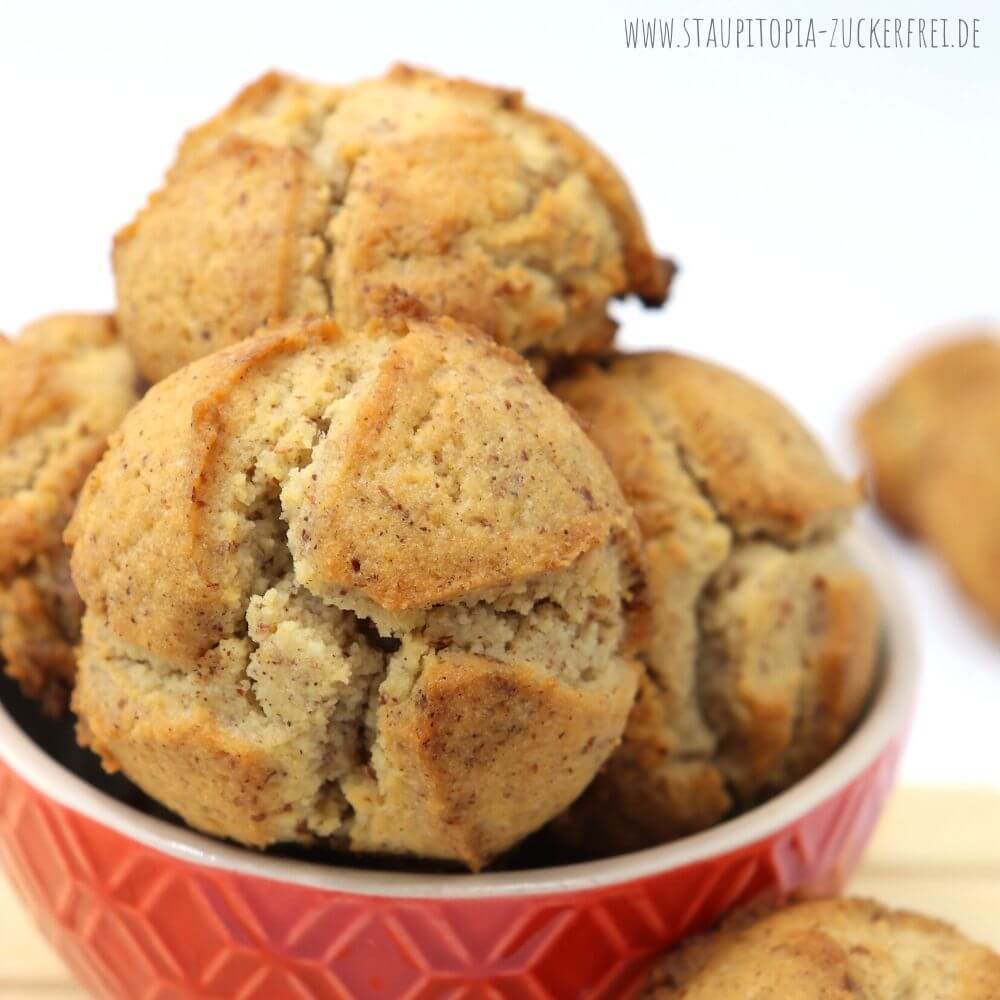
[141, 747]
[807, 513]
[606, 515]
[680, 968]
[437, 741]
[290, 278]
[39, 609]
[649, 275]
[210, 380]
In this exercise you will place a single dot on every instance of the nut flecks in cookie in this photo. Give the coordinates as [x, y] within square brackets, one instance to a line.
[369, 588]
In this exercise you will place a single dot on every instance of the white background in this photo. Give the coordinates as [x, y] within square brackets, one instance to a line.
[830, 209]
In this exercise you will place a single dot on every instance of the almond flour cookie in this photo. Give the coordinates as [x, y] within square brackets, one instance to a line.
[763, 636]
[367, 590]
[410, 193]
[933, 443]
[65, 383]
[836, 949]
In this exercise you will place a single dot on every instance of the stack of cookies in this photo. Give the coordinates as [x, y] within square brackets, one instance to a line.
[395, 554]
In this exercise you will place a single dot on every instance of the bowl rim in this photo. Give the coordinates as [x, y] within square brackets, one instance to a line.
[886, 721]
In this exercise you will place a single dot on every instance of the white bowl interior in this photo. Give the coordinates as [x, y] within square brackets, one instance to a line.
[886, 719]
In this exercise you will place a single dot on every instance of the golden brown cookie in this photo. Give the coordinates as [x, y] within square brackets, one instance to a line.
[932, 439]
[409, 193]
[763, 636]
[366, 589]
[65, 383]
[836, 949]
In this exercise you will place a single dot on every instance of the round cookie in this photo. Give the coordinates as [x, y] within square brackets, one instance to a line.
[931, 441]
[66, 382]
[835, 949]
[763, 637]
[409, 193]
[370, 590]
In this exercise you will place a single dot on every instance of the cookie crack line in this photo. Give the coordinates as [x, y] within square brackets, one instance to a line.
[470, 238]
[268, 456]
[738, 537]
[701, 602]
[564, 168]
[705, 598]
[323, 232]
[362, 630]
[709, 594]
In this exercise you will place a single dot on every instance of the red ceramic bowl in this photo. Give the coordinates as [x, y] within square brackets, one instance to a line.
[139, 908]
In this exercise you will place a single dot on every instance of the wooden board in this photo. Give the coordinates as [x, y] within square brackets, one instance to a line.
[937, 850]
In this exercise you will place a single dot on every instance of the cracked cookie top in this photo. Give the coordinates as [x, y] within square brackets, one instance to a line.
[409, 193]
[762, 640]
[65, 383]
[370, 588]
[835, 949]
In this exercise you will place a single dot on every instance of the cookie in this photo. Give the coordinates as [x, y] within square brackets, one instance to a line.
[370, 590]
[65, 384]
[931, 443]
[836, 949]
[410, 193]
[763, 637]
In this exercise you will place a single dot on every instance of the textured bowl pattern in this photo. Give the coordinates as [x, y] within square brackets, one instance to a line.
[136, 923]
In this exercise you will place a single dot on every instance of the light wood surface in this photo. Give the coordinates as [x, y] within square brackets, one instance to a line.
[937, 850]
